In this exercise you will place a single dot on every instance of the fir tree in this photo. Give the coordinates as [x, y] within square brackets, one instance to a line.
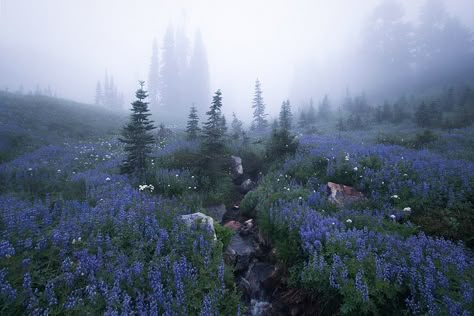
[163, 135]
[236, 126]
[259, 116]
[285, 116]
[154, 76]
[311, 114]
[199, 73]
[137, 137]
[387, 112]
[324, 108]
[215, 162]
[214, 129]
[302, 121]
[98, 94]
[192, 129]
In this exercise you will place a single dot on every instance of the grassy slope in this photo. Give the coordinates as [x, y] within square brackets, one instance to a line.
[27, 122]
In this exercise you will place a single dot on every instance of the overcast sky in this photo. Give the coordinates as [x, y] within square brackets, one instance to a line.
[68, 44]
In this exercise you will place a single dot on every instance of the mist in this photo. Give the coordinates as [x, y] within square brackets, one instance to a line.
[297, 49]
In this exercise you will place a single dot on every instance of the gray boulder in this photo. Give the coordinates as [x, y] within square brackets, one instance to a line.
[199, 218]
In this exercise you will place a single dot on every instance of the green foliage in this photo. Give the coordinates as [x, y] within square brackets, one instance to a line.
[253, 161]
[137, 137]
[192, 129]
[222, 191]
[249, 203]
[419, 140]
[286, 117]
[223, 234]
[260, 123]
[456, 223]
[236, 126]
[281, 144]
[163, 136]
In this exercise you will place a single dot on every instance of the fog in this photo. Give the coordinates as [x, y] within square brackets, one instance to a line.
[298, 49]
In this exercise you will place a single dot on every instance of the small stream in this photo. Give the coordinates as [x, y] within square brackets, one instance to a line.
[256, 272]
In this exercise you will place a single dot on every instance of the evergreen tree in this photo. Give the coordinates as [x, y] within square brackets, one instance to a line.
[311, 114]
[98, 94]
[214, 129]
[399, 112]
[281, 141]
[449, 100]
[275, 124]
[324, 108]
[154, 76]
[340, 125]
[137, 137]
[422, 115]
[302, 121]
[387, 112]
[348, 103]
[192, 129]
[163, 135]
[259, 116]
[199, 73]
[215, 162]
[285, 116]
[169, 81]
[236, 126]
[378, 116]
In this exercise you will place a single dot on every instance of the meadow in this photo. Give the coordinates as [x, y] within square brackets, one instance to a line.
[77, 237]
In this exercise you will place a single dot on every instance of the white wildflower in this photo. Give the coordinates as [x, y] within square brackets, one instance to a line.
[392, 217]
[355, 169]
[396, 197]
[107, 179]
[349, 221]
[74, 241]
[407, 209]
[59, 170]
[30, 169]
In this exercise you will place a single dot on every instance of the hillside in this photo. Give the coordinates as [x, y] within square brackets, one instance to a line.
[29, 121]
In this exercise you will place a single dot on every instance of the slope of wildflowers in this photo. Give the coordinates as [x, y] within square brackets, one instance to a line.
[373, 257]
[78, 238]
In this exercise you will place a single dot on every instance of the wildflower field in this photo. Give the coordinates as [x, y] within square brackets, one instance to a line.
[79, 238]
[76, 237]
[406, 248]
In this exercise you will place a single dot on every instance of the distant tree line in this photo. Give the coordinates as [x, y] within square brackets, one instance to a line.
[107, 95]
[178, 75]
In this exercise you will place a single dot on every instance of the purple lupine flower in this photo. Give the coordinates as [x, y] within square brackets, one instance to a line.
[361, 286]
